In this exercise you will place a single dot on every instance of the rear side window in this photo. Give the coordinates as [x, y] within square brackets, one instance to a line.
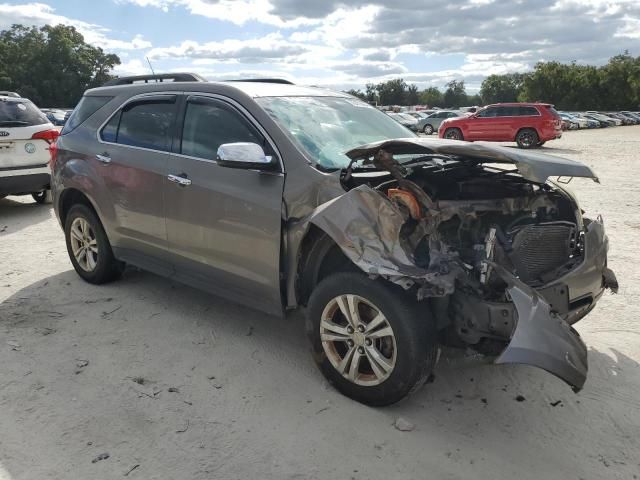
[528, 111]
[145, 123]
[20, 113]
[87, 107]
[553, 111]
[209, 124]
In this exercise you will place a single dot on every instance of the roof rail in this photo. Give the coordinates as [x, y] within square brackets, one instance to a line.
[263, 80]
[159, 78]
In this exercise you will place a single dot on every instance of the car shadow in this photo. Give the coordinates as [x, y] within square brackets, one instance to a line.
[144, 335]
[16, 215]
[545, 149]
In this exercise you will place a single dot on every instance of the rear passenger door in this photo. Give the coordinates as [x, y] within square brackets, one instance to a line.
[224, 225]
[135, 149]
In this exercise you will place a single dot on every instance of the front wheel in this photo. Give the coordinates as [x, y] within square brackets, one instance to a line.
[527, 138]
[42, 197]
[371, 341]
[453, 134]
[540, 144]
[428, 129]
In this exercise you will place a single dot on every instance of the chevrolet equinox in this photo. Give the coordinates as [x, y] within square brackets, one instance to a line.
[282, 196]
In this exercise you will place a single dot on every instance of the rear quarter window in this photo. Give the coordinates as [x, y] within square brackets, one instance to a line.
[87, 107]
[20, 113]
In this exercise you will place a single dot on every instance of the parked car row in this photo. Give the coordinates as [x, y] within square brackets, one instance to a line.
[425, 121]
[593, 119]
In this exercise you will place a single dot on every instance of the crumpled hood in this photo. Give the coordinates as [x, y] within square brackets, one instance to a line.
[532, 165]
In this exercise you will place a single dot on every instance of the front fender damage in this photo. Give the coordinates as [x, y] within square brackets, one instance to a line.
[367, 227]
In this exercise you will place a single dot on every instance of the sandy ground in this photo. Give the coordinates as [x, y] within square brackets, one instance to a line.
[180, 384]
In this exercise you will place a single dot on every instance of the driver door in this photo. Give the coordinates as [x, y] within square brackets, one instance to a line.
[224, 225]
[483, 125]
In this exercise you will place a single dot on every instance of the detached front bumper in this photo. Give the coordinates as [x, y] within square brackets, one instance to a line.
[543, 336]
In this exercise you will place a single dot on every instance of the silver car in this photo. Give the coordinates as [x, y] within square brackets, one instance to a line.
[284, 197]
[432, 122]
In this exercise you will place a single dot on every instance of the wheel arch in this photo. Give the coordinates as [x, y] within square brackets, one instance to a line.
[70, 197]
[319, 257]
[515, 137]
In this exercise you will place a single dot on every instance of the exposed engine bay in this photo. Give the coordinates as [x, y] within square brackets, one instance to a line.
[493, 252]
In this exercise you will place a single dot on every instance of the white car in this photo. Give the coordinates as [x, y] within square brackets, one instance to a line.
[25, 137]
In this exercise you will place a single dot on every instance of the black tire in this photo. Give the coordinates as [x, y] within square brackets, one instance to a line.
[42, 197]
[428, 129]
[453, 134]
[540, 144]
[527, 138]
[413, 329]
[107, 267]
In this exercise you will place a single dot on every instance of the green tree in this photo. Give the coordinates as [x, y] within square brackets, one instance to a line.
[432, 97]
[455, 95]
[51, 65]
[412, 97]
[392, 92]
[501, 88]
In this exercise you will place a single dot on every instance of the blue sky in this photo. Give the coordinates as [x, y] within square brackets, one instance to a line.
[344, 44]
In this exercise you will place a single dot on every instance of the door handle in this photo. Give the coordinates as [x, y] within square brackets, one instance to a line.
[104, 158]
[180, 180]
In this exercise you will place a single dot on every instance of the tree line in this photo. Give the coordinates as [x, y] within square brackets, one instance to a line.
[569, 86]
[51, 65]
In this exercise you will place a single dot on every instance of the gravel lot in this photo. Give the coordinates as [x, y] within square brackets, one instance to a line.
[180, 384]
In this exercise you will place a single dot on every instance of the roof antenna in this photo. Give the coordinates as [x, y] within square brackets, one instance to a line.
[150, 66]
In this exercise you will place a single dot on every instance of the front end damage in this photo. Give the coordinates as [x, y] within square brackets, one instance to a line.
[503, 255]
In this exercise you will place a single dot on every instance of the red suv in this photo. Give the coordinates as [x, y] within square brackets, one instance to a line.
[528, 124]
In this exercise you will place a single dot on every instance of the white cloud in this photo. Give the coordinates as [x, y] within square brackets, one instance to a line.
[40, 14]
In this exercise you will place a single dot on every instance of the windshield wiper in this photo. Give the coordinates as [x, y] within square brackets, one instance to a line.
[13, 123]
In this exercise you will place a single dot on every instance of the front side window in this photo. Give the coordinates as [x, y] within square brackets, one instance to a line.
[209, 124]
[488, 113]
[327, 127]
[146, 123]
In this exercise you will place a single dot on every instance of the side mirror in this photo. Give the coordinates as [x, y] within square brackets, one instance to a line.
[244, 155]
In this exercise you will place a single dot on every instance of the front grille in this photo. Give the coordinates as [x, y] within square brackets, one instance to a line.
[542, 248]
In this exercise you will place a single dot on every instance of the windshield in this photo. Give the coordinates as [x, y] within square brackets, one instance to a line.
[327, 127]
[20, 113]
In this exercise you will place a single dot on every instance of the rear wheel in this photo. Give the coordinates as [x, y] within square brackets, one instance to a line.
[428, 129]
[527, 138]
[88, 246]
[42, 197]
[371, 341]
[453, 134]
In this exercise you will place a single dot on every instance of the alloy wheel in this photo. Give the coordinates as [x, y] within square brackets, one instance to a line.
[358, 340]
[84, 244]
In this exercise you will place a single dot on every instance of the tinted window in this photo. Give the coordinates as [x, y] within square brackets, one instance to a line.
[489, 112]
[110, 130]
[209, 124]
[526, 111]
[145, 123]
[87, 107]
[20, 113]
[452, 115]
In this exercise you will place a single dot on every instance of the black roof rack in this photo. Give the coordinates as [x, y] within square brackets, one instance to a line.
[264, 80]
[161, 77]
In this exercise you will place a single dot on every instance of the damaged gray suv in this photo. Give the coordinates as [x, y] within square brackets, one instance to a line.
[281, 197]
